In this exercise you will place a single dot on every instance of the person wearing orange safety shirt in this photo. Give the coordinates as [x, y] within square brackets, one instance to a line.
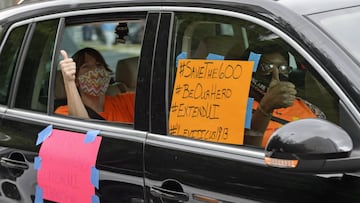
[86, 79]
[275, 101]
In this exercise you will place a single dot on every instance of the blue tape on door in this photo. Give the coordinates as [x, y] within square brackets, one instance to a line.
[44, 134]
[91, 135]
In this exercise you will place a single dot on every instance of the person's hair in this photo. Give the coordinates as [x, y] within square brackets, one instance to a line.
[79, 57]
[263, 48]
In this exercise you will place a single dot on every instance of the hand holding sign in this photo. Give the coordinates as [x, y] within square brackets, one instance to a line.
[68, 67]
[280, 94]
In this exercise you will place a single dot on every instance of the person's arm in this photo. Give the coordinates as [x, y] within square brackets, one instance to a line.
[75, 104]
[259, 122]
[280, 94]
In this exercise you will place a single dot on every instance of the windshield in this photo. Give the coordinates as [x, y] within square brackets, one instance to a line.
[343, 26]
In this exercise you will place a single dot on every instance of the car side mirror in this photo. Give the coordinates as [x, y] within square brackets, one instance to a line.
[310, 145]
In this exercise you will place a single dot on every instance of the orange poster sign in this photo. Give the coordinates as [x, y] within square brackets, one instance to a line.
[210, 99]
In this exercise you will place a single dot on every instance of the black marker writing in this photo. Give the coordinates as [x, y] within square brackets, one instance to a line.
[199, 92]
[208, 111]
[210, 71]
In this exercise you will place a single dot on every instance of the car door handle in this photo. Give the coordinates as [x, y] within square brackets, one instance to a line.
[11, 163]
[169, 194]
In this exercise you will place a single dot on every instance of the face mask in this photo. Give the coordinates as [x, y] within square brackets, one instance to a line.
[94, 82]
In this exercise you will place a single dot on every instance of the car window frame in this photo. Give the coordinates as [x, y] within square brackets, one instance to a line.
[267, 24]
[68, 122]
[21, 44]
[72, 19]
[24, 56]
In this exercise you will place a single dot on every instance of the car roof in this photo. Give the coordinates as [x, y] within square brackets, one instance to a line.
[305, 7]
[42, 7]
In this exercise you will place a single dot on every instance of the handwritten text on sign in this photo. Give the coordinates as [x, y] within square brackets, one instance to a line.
[209, 100]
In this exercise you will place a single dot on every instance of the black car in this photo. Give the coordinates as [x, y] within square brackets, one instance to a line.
[188, 139]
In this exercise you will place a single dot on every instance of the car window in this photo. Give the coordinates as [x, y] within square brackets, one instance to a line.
[8, 57]
[118, 40]
[34, 81]
[1, 31]
[215, 98]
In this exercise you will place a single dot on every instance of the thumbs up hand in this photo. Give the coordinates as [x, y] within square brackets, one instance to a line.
[68, 67]
[280, 94]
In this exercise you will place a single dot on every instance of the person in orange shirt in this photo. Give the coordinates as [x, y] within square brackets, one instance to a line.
[86, 79]
[275, 100]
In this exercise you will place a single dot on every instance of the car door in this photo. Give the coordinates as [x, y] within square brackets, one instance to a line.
[190, 164]
[30, 92]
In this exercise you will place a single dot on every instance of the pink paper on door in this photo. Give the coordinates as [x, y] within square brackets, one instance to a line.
[65, 172]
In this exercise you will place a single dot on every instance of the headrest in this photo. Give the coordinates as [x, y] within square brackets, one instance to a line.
[220, 45]
[126, 72]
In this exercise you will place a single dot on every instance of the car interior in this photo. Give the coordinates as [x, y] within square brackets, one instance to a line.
[197, 38]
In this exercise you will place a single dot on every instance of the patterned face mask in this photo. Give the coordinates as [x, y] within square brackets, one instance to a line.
[94, 82]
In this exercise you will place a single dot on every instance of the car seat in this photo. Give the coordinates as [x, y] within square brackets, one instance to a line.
[126, 74]
[220, 45]
[60, 94]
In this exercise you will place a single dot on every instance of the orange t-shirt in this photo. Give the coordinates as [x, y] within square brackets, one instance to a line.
[298, 110]
[118, 108]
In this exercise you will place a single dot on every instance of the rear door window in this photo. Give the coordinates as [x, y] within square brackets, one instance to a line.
[33, 84]
[9, 55]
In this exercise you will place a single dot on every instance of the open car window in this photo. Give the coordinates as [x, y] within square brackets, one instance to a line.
[120, 49]
[215, 92]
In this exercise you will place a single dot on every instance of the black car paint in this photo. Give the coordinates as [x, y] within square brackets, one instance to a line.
[201, 169]
[142, 111]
